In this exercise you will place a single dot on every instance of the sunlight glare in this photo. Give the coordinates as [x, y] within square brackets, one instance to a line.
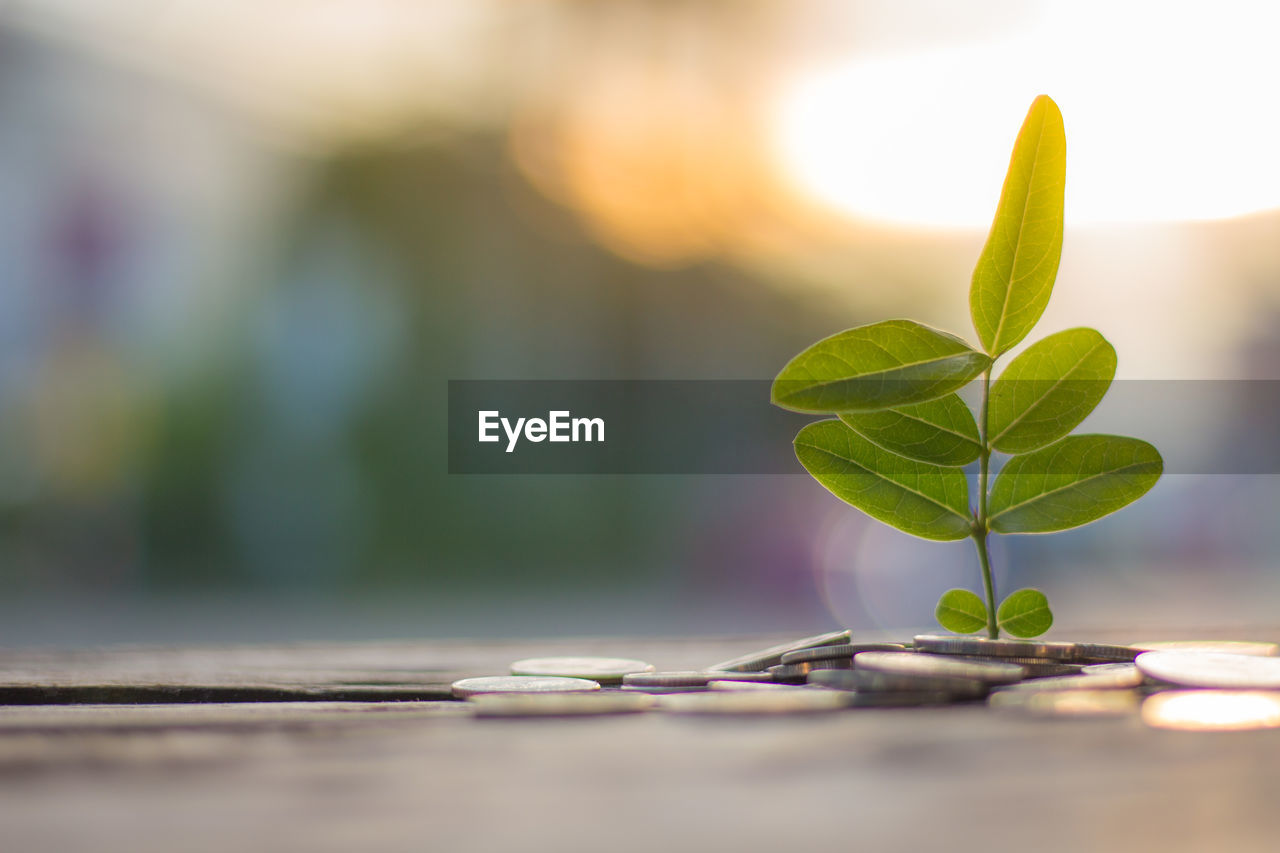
[1164, 108]
[1212, 710]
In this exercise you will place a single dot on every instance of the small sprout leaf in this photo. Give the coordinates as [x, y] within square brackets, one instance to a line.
[1025, 613]
[961, 612]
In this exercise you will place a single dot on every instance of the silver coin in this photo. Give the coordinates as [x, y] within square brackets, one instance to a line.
[1234, 647]
[719, 684]
[1095, 668]
[1068, 703]
[683, 678]
[603, 670]
[1220, 670]
[560, 704]
[1114, 679]
[938, 665]
[870, 681]
[794, 700]
[521, 684]
[797, 672]
[1105, 653]
[1035, 667]
[772, 656]
[716, 675]
[943, 644]
[659, 691]
[836, 679]
[844, 650]
[789, 674]
[688, 678]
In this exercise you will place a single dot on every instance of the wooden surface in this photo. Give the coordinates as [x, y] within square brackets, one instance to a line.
[192, 750]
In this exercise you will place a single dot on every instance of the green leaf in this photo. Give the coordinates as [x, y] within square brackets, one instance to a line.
[1049, 389]
[962, 612]
[925, 500]
[1025, 613]
[894, 363]
[940, 431]
[1078, 480]
[1015, 272]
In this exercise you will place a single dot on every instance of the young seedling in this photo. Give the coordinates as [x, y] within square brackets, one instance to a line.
[903, 436]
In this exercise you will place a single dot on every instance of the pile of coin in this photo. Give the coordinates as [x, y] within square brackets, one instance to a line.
[1237, 683]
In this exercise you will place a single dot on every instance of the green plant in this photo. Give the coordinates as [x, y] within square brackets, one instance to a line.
[903, 435]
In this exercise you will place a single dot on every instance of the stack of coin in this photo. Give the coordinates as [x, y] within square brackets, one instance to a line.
[772, 656]
[890, 672]
[944, 669]
[797, 665]
[1038, 658]
[1186, 685]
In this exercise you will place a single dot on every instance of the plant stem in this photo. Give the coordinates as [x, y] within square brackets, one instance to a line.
[980, 526]
[988, 584]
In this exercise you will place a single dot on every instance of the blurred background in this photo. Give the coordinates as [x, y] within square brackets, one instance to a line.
[243, 247]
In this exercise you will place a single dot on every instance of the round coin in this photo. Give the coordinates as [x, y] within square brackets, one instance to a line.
[1035, 667]
[1105, 653]
[604, 670]
[797, 671]
[844, 650]
[738, 676]
[1234, 647]
[521, 684]
[1212, 670]
[938, 665]
[836, 679]
[684, 678]
[748, 685]
[560, 704]
[1095, 668]
[793, 674]
[952, 645]
[845, 679]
